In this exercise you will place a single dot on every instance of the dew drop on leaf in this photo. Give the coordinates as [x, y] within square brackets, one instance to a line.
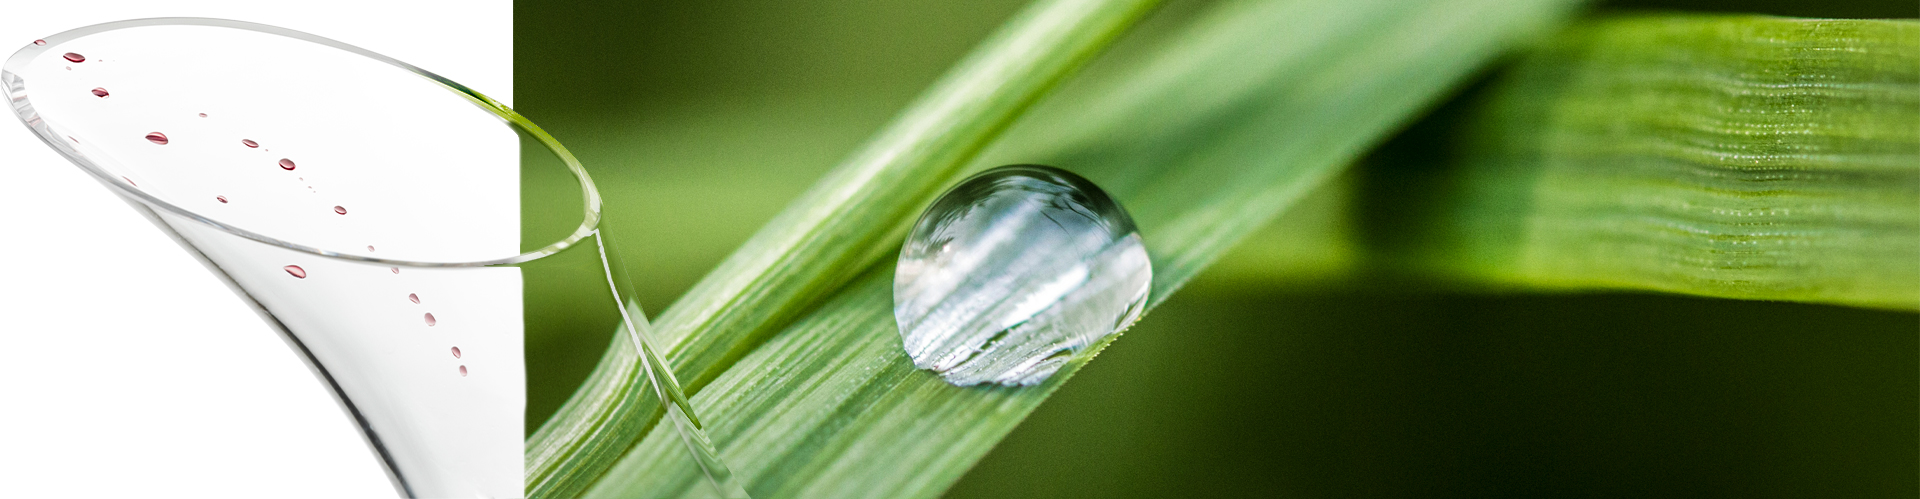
[1015, 271]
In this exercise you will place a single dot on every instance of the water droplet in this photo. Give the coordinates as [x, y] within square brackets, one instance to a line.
[463, 371]
[296, 271]
[413, 298]
[223, 199]
[203, 115]
[456, 352]
[99, 92]
[1014, 271]
[430, 320]
[249, 143]
[39, 42]
[341, 210]
[157, 138]
[72, 57]
[286, 164]
[395, 270]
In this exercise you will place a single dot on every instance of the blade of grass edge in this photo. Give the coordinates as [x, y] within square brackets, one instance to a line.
[1729, 156]
[830, 407]
[829, 234]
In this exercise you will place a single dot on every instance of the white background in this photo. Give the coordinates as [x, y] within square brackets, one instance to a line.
[127, 369]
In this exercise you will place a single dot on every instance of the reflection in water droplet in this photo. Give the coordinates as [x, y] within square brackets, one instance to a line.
[340, 210]
[456, 352]
[286, 164]
[1013, 272]
[296, 271]
[99, 92]
[223, 199]
[157, 138]
[249, 143]
[72, 57]
[413, 298]
[39, 42]
[430, 320]
[463, 371]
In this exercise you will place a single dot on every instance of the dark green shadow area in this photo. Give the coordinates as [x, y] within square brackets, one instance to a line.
[1355, 394]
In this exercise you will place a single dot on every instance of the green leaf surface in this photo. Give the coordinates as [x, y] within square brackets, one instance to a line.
[839, 227]
[1205, 133]
[1730, 156]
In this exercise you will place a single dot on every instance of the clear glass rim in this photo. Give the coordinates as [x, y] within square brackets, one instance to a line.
[17, 95]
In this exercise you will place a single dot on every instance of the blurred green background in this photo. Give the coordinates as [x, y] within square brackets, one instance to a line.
[1291, 367]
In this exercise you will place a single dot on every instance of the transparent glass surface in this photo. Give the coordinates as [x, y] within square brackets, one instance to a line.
[384, 219]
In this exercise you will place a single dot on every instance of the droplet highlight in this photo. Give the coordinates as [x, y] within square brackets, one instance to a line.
[296, 271]
[99, 92]
[286, 164]
[340, 210]
[72, 57]
[456, 352]
[249, 143]
[157, 138]
[430, 320]
[1015, 271]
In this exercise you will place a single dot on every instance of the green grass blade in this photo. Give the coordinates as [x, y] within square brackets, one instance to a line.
[1728, 156]
[839, 227]
[1241, 113]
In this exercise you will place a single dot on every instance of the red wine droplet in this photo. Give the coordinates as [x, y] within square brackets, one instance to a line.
[203, 115]
[99, 92]
[463, 371]
[130, 181]
[223, 199]
[296, 271]
[340, 209]
[249, 143]
[39, 42]
[413, 298]
[369, 247]
[430, 320]
[72, 57]
[286, 164]
[456, 352]
[395, 270]
[157, 138]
